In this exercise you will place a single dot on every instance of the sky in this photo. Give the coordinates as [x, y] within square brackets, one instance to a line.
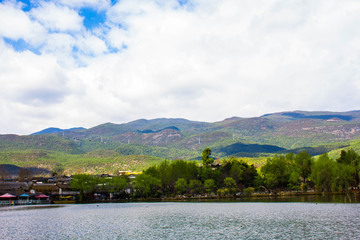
[81, 63]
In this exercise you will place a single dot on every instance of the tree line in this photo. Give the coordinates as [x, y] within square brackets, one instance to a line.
[290, 172]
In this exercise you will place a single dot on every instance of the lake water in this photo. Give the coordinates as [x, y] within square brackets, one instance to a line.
[184, 220]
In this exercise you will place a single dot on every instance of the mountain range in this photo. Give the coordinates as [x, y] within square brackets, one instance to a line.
[262, 136]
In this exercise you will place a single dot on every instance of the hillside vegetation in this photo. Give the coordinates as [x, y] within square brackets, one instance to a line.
[111, 147]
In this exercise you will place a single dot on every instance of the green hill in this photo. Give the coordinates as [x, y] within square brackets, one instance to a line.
[133, 145]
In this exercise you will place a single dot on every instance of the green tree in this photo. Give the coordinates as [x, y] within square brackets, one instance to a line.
[117, 184]
[239, 170]
[206, 173]
[58, 169]
[147, 185]
[183, 169]
[344, 177]
[181, 186]
[323, 173]
[351, 158]
[196, 186]
[169, 171]
[230, 184]
[206, 159]
[303, 162]
[165, 176]
[84, 183]
[249, 190]
[277, 172]
[248, 176]
[209, 185]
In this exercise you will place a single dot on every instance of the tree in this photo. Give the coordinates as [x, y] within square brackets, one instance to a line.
[249, 175]
[351, 158]
[117, 184]
[181, 186]
[323, 173]
[183, 169]
[195, 186]
[277, 172]
[147, 185]
[303, 162]
[58, 169]
[230, 186]
[209, 185]
[344, 177]
[207, 160]
[239, 170]
[84, 183]
[229, 182]
[206, 173]
[164, 170]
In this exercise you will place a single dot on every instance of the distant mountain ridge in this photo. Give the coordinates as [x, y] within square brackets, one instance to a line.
[56, 130]
[284, 129]
[9, 170]
[178, 138]
[323, 115]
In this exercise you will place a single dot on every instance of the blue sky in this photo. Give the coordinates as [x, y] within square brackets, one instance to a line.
[69, 63]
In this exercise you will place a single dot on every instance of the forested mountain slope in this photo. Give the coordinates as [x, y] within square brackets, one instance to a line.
[269, 134]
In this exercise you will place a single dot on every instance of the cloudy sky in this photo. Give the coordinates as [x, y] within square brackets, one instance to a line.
[69, 63]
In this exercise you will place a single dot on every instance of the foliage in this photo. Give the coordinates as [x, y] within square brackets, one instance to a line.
[117, 184]
[277, 172]
[96, 162]
[206, 159]
[147, 185]
[195, 186]
[303, 162]
[249, 190]
[230, 176]
[181, 186]
[209, 185]
[84, 183]
[323, 173]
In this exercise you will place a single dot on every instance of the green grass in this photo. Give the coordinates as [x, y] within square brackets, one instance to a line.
[94, 163]
[354, 145]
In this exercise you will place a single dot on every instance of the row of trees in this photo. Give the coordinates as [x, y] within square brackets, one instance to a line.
[230, 176]
[88, 184]
[301, 171]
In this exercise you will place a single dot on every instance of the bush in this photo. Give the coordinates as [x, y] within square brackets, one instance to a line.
[223, 192]
[249, 190]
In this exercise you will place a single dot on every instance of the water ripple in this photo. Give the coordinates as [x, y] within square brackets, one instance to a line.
[184, 221]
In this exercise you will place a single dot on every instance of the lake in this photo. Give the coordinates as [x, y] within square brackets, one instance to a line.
[183, 220]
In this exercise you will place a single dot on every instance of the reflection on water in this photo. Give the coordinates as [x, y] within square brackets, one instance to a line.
[188, 220]
[28, 207]
[341, 198]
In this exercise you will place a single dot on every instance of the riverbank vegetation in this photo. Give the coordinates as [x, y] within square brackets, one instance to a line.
[230, 177]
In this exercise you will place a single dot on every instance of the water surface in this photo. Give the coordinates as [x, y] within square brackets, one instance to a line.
[186, 220]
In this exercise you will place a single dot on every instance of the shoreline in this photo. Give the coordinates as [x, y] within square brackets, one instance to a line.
[282, 197]
[352, 197]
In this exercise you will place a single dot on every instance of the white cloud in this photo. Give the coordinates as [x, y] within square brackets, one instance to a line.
[57, 18]
[15, 24]
[206, 61]
[90, 44]
[97, 4]
[31, 79]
